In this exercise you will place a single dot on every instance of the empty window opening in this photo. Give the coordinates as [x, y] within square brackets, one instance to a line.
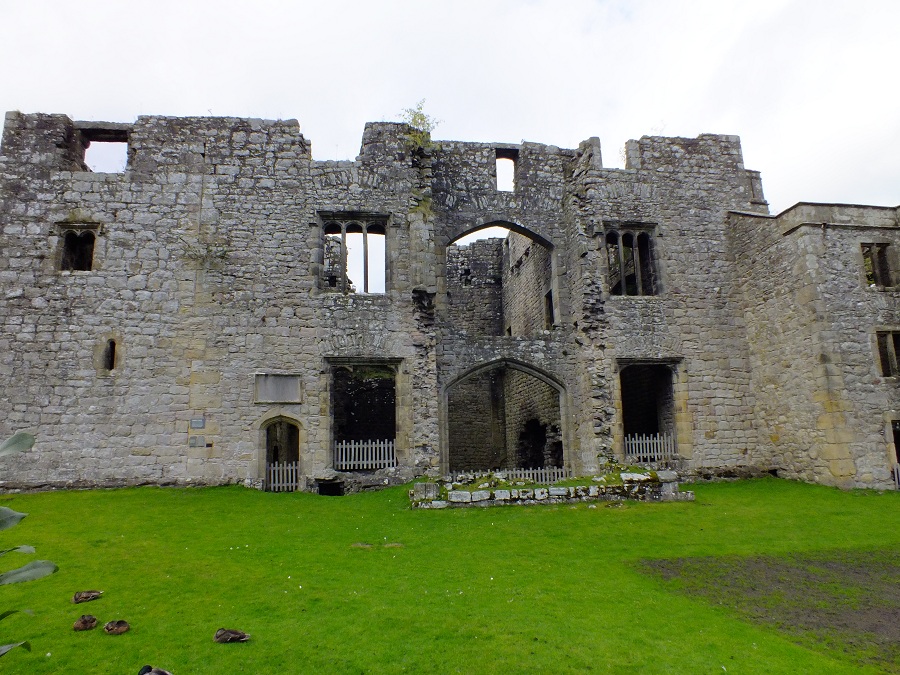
[888, 349]
[109, 355]
[106, 157]
[503, 418]
[506, 173]
[105, 146]
[282, 443]
[364, 417]
[77, 251]
[877, 265]
[630, 263]
[500, 286]
[548, 310]
[355, 256]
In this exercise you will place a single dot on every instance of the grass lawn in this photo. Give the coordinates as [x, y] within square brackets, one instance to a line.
[364, 584]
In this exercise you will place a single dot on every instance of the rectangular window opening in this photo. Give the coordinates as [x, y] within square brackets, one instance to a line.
[548, 310]
[888, 348]
[876, 265]
[506, 169]
[105, 146]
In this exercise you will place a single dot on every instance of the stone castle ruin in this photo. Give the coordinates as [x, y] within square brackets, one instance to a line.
[227, 309]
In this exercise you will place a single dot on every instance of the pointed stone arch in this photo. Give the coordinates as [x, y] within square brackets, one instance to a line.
[508, 286]
[522, 403]
[282, 429]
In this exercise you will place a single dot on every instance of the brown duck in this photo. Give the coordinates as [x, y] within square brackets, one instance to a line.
[86, 596]
[224, 635]
[86, 622]
[117, 627]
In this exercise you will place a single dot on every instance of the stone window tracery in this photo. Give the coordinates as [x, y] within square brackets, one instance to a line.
[355, 255]
[77, 250]
[631, 268]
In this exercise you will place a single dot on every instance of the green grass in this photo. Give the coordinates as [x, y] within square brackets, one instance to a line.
[513, 589]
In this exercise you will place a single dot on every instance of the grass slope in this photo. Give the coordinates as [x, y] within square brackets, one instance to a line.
[364, 584]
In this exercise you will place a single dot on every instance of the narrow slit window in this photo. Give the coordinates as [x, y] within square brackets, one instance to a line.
[109, 355]
[548, 310]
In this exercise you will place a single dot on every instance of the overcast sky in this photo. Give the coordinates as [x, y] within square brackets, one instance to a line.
[810, 86]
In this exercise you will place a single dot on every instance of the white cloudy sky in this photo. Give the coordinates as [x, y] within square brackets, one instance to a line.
[811, 86]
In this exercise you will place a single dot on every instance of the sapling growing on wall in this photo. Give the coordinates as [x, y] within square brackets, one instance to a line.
[36, 569]
[421, 123]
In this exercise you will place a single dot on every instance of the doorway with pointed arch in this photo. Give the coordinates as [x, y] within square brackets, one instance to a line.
[282, 442]
[502, 416]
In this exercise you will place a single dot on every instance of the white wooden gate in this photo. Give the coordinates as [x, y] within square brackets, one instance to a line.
[283, 477]
[654, 450]
[364, 455]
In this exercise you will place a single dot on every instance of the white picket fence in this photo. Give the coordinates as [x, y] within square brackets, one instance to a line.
[657, 449]
[357, 455]
[544, 475]
[895, 474]
[283, 477]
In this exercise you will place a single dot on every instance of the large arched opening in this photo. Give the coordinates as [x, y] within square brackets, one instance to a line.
[504, 415]
[501, 280]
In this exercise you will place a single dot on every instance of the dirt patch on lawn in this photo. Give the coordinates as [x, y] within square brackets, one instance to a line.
[840, 601]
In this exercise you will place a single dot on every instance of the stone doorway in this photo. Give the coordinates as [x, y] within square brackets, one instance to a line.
[503, 417]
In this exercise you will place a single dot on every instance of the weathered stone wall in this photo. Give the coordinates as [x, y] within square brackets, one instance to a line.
[528, 399]
[475, 287]
[209, 268]
[477, 422]
[527, 273]
[823, 408]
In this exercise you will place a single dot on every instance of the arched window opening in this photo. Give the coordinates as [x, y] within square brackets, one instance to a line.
[500, 286]
[77, 251]
[355, 253]
[504, 418]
